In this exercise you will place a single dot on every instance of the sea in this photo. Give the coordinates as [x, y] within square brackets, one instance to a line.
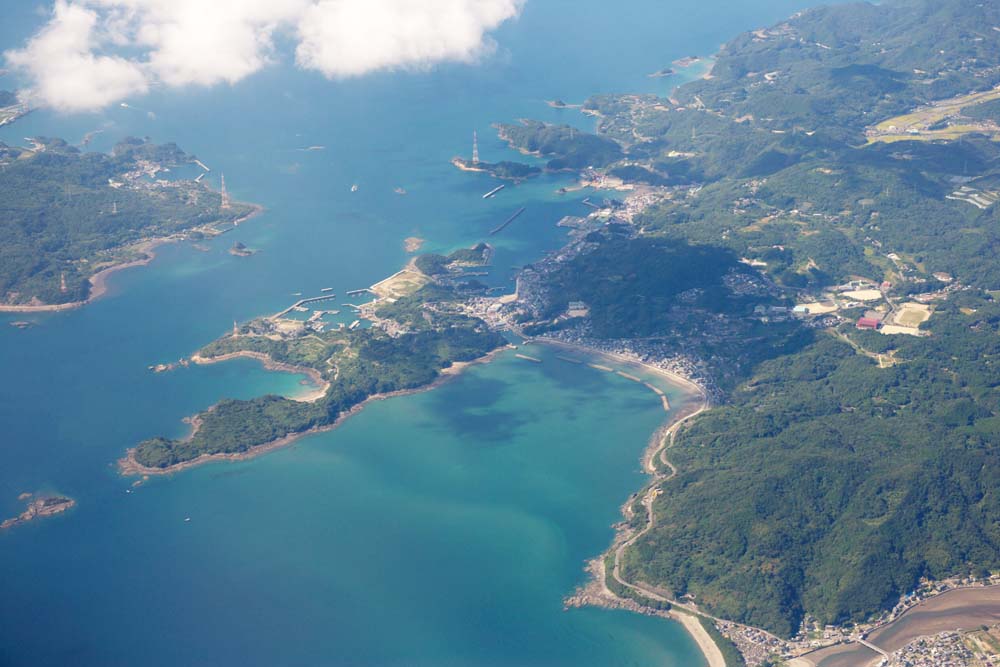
[437, 529]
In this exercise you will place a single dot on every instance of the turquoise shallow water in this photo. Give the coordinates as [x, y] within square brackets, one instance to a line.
[437, 529]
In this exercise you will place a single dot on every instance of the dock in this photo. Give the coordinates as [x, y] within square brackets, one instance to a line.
[587, 202]
[508, 221]
[527, 358]
[356, 292]
[202, 165]
[493, 193]
[302, 302]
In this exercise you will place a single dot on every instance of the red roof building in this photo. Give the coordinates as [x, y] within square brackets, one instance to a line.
[868, 323]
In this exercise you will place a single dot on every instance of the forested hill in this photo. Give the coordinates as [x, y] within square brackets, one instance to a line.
[855, 144]
[834, 70]
[65, 214]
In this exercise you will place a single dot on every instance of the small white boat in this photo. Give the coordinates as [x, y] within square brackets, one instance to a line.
[354, 188]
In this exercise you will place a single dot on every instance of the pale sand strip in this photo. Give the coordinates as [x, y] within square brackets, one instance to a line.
[708, 648]
[322, 386]
[658, 441]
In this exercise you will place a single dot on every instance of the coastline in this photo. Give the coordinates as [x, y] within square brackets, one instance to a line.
[595, 591]
[99, 281]
[128, 466]
[321, 385]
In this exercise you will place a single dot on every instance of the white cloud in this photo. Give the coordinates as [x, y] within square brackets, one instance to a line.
[93, 53]
[348, 38]
[61, 61]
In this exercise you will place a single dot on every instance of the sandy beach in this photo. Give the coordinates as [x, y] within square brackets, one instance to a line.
[321, 386]
[596, 592]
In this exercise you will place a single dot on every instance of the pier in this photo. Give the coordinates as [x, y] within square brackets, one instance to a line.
[493, 193]
[356, 292]
[527, 358]
[587, 202]
[302, 302]
[508, 221]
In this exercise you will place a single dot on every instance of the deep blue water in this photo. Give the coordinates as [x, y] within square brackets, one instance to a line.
[437, 529]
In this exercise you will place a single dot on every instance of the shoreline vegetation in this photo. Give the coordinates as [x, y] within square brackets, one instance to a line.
[790, 513]
[596, 592]
[59, 251]
[99, 281]
[129, 466]
[418, 331]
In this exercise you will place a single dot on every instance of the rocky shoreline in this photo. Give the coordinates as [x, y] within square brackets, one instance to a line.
[128, 466]
[39, 507]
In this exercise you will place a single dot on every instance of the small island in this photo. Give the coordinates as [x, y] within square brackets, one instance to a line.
[239, 249]
[39, 506]
[413, 243]
[665, 72]
[686, 61]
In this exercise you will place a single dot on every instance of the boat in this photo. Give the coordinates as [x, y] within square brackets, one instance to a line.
[354, 188]
[326, 289]
[400, 191]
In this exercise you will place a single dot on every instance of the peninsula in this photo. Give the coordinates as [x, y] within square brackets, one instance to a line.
[505, 170]
[59, 248]
[419, 335]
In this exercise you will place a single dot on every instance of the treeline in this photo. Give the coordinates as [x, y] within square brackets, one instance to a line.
[829, 485]
[568, 147]
[59, 215]
[358, 364]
